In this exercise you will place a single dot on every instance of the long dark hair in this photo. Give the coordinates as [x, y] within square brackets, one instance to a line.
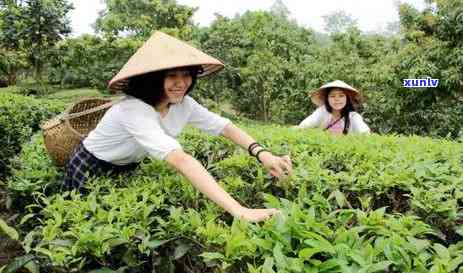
[149, 87]
[345, 112]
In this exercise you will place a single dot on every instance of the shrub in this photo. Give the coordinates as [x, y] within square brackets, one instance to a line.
[19, 117]
[371, 203]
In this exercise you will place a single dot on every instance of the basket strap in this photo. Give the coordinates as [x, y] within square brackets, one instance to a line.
[66, 115]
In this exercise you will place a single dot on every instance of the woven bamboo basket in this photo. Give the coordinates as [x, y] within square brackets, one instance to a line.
[62, 133]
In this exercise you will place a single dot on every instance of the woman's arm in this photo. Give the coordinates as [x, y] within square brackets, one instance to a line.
[276, 165]
[358, 124]
[312, 121]
[205, 183]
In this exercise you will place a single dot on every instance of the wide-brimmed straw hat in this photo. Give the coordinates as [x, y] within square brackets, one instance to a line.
[161, 52]
[318, 96]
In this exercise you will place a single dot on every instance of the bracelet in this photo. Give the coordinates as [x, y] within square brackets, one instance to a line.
[252, 146]
[260, 151]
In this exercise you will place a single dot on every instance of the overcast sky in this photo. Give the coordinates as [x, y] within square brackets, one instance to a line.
[370, 14]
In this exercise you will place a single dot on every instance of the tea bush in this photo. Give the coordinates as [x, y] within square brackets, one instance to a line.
[354, 204]
[19, 117]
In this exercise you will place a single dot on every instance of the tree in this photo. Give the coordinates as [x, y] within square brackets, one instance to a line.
[430, 46]
[262, 53]
[12, 54]
[89, 60]
[392, 29]
[34, 27]
[264, 89]
[139, 18]
[338, 22]
[279, 8]
[45, 23]
[11, 61]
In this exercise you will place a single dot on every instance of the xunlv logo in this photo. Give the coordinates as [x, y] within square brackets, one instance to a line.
[428, 82]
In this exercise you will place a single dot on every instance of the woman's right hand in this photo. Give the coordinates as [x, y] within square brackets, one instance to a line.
[205, 183]
[256, 215]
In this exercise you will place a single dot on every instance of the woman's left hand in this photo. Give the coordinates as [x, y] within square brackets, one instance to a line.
[278, 166]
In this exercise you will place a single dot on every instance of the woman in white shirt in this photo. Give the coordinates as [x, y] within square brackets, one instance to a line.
[336, 110]
[156, 80]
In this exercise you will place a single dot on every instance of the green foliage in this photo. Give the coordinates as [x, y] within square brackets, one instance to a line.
[32, 172]
[10, 62]
[271, 61]
[24, 262]
[354, 204]
[72, 95]
[89, 61]
[264, 55]
[140, 18]
[9, 231]
[12, 55]
[264, 82]
[278, 8]
[34, 26]
[432, 49]
[339, 21]
[19, 118]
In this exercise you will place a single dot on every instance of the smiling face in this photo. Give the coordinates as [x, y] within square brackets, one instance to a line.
[337, 99]
[176, 84]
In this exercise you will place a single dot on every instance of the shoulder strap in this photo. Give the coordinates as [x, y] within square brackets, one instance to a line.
[333, 123]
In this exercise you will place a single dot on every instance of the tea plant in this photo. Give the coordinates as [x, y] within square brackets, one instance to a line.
[354, 204]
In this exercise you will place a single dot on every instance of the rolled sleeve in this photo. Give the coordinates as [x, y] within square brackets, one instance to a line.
[359, 125]
[312, 121]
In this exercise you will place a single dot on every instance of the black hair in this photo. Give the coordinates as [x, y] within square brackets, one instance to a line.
[149, 87]
[349, 107]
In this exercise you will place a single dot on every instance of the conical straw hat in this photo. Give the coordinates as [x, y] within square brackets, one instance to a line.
[160, 52]
[318, 96]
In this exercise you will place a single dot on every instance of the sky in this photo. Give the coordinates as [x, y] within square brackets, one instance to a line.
[371, 15]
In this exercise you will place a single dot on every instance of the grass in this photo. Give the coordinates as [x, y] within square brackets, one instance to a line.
[65, 95]
[71, 95]
[10, 89]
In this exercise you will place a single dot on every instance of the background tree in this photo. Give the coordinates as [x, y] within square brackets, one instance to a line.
[280, 9]
[271, 62]
[138, 18]
[12, 53]
[433, 48]
[338, 21]
[43, 24]
[241, 42]
[90, 60]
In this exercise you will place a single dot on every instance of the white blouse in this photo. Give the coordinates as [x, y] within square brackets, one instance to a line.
[132, 129]
[321, 118]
